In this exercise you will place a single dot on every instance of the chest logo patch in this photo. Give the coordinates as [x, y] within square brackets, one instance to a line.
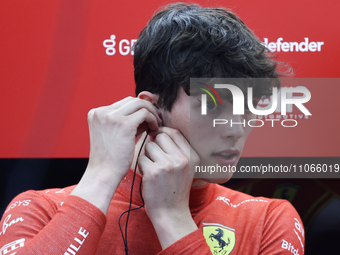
[221, 239]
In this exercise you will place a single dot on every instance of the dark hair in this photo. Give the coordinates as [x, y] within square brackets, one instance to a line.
[186, 41]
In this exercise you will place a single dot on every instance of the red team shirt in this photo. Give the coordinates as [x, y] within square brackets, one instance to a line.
[229, 222]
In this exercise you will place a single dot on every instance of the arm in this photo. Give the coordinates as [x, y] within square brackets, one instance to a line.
[78, 225]
[113, 130]
[167, 182]
[36, 226]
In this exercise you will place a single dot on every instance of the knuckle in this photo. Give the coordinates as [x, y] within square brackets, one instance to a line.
[144, 111]
[90, 114]
[137, 100]
[103, 118]
[155, 174]
[108, 117]
[94, 115]
[167, 166]
[182, 162]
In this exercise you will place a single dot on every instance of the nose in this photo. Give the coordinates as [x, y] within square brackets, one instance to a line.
[235, 127]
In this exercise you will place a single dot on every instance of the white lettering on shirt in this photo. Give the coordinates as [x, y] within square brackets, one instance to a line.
[227, 201]
[73, 249]
[18, 203]
[7, 224]
[288, 246]
[7, 248]
[299, 227]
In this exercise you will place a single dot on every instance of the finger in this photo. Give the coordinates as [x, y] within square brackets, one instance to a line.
[181, 143]
[115, 105]
[107, 109]
[134, 105]
[154, 152]
[143, 115]
[166, 144]
[145, 164]
[120, 103]
[177, 137]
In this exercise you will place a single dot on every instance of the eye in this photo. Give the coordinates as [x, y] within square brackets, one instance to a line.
[211, 105]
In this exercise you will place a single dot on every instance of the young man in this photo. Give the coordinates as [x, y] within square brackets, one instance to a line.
[182, 214]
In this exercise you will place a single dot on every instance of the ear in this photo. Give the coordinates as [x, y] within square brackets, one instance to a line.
[148, 96]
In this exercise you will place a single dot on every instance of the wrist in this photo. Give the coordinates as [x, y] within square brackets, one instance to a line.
[171, 226]
[97, 191]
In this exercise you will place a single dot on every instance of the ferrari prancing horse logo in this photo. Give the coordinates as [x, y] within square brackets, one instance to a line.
[221, 239]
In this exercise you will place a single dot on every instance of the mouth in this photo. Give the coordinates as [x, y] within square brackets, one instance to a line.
[224, 155]
[227, 157]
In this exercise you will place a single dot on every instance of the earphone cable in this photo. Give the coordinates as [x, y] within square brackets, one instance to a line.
[130, 204]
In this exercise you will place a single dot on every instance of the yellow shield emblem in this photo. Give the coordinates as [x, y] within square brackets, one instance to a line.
[221, 239]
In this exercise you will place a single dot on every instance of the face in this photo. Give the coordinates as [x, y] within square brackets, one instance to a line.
[221, 145]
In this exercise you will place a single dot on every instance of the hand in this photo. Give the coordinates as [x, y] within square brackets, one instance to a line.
[167, 180]
[113, 130]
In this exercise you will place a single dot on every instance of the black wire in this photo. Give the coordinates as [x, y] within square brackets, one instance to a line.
[139, 207]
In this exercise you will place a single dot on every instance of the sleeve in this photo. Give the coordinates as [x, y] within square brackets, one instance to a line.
[283, 231]
[193, 244]
[32, 225]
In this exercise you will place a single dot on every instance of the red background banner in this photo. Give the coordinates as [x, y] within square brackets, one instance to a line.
[54, 68]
